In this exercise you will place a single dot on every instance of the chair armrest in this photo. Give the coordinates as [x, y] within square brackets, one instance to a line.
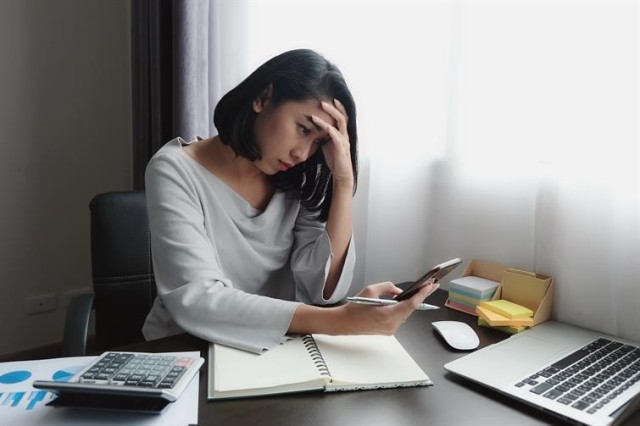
[76, 327]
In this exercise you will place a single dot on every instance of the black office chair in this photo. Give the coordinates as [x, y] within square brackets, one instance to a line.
[123, 282]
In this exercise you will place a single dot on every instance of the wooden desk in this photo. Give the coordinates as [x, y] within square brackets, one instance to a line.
[451, 401]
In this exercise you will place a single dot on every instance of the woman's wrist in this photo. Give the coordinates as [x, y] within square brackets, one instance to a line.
[343, 184]
[314, 319]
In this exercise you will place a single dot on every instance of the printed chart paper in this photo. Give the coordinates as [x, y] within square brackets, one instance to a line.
[22, 404]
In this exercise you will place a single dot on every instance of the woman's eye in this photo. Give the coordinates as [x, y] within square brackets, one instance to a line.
[304, 130]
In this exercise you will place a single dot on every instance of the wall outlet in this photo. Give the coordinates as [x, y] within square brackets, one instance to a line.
[41, 303]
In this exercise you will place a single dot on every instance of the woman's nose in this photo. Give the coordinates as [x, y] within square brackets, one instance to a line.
[302, 152]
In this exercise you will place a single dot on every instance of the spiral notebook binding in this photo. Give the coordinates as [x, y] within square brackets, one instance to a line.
[316, 356]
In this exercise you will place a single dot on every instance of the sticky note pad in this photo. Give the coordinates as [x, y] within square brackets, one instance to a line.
[505, 328]
[495, 319]
[508, 309]
[461, 307]
[453, 294]
[480, 288]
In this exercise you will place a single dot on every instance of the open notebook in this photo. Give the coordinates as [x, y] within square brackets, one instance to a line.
[313, 362]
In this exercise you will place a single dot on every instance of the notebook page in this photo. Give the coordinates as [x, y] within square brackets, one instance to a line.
[286, 368]
[368, 362]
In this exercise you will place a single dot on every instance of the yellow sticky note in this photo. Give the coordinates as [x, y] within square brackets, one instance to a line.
[506, 328]
[495, 319]
[507, 308]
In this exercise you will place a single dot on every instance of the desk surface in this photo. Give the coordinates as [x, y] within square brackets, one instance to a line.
[451, 401]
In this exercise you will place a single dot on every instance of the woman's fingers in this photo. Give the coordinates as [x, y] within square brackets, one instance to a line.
[338, 112]
[331, 130]
[380, 289]
[337, 152]
[366, 319]
[334, 133]
[426, 291]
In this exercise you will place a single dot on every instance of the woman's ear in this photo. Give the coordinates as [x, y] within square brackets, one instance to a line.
[260, 103]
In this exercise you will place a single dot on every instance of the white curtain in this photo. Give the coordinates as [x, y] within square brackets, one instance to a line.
[542, 168]
[503, 131]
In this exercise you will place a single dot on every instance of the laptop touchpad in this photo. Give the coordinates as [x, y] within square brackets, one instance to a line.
[500, 364]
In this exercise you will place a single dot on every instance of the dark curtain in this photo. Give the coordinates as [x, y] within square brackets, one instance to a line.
[152, 81]
[170, 49]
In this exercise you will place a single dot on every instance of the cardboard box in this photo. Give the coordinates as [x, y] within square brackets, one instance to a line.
[535, 291]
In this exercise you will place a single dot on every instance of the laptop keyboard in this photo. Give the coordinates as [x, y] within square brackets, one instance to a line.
[589, 378]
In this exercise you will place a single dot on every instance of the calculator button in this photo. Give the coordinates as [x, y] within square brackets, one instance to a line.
[89, 375]
[167, 383]
[120, 377]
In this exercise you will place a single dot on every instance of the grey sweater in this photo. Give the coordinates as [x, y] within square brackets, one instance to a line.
[226, 272]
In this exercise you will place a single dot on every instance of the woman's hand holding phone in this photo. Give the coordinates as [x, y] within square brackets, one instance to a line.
[434, 275]
[367, 319]
[357, 318]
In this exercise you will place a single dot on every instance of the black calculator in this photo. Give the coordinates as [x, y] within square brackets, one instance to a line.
[129, 381]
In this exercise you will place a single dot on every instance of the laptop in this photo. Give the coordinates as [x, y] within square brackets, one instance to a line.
[580, 375]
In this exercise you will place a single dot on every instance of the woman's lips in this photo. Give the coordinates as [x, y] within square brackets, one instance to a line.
[284, 166]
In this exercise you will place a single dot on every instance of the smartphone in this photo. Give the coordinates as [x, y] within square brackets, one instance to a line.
[435, 274]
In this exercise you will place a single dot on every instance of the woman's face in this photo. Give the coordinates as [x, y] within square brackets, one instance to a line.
[286, 135]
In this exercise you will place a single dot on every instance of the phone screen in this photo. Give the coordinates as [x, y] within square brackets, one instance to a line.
[435, 274]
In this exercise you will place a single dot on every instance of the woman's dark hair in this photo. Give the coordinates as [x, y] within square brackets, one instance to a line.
[296, 75]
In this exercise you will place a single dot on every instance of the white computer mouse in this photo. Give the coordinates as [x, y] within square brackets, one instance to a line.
[458, 335]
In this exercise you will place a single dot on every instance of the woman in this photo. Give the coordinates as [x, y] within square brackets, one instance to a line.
[251, 229]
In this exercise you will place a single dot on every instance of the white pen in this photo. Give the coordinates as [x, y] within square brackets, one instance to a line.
[386, 302]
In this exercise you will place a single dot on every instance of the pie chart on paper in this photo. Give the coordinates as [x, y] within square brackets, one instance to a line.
[13, 377]
[66, 374]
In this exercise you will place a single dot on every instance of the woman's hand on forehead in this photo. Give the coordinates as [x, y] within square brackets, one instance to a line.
[337, 153]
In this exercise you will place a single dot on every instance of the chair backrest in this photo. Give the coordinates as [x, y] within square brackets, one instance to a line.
[123, 282]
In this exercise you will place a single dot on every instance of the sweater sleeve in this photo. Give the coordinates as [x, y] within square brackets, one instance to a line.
[311, 259]
[192, 287]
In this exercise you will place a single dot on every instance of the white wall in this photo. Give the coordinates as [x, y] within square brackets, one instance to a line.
[65, 135]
